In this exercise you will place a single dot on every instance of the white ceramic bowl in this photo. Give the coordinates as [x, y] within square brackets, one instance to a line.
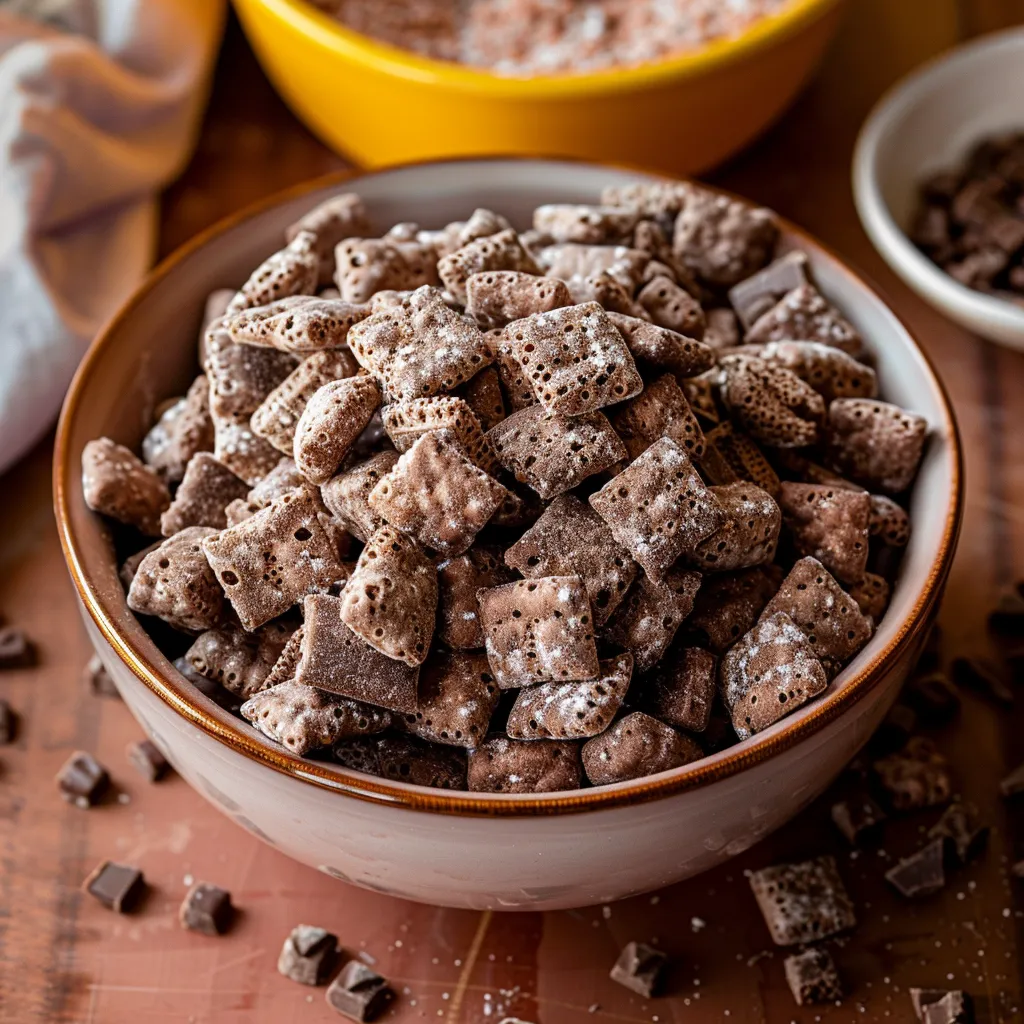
[464, 849]
[927, 123]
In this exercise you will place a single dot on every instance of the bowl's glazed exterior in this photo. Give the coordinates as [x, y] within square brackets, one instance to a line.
[462, 849]
[380, 105]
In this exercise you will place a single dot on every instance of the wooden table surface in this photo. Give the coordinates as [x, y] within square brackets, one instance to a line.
[65, 958]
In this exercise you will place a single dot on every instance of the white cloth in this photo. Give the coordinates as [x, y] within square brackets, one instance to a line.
[91, 127]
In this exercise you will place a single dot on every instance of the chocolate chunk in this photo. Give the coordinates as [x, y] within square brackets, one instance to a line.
[502, 765]
[570, 539]
[682, 690]
[983, 677]
[757, 294]
[207, 909]
[640, 968]
[803, 902]
[932, 696]
[117, 886]
[964, 838]
[923, 997]
[16, 650]
[634, 747]
[858, 818]
[951, 1008]
[335, 659]
[812, 977]
[147, 760]
[920, 874]
[8, 723]
[308, 955]
[916, 776]
[359, 993]
[82, 780]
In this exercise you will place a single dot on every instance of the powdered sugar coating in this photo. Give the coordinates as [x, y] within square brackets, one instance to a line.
[459, 580]
[202, 496]
[117, 484]
[804, 314]
[502, 251]
[294, 270]
[660, 410]
[634, 747]
[750, 534]
[241, 662]
[503, 765]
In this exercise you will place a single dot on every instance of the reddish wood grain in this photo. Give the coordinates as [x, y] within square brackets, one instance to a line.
[64, 958]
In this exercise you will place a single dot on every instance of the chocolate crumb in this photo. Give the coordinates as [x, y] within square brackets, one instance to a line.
[964, 839]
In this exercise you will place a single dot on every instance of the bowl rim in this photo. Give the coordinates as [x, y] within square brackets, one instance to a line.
[382, 57]
[891, 241]
[244, 739]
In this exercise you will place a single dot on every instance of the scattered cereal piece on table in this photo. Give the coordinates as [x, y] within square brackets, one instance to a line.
[206, 909]
[358, 992]
[82, 780]
[812, 977]
[308, 955]
[117, 886]
[640, 968]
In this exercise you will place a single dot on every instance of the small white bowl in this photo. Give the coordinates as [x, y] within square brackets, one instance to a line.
[928, 123]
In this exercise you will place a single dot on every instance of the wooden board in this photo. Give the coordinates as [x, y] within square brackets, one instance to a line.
[65, 959]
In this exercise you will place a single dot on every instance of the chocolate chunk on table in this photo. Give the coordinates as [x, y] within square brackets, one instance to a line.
[963, 837]
[914, 777]
[358, 992]
[640, 967]
[118, 887]
[803, 902]
[932, 696]
[983, 677]
[308, 954]
[207, 909]
[922, 997]
[920, 874]
[812, 977]
[8, 723]
[82, 780]
[15, 649]
[149, 762]
[858, 818]
[951, 1008]
[98, 679]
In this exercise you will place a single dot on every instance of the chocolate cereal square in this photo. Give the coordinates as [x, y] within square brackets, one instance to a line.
[202, 496]
[293, 270]
[812, 977]
[574, 710]
[652, 613]
[498, 297]
[771, 672]
[731, 455]
[672, 307]
[749, 535]
[118, 484]
[658, 508]
[771, 403]
[804, 314]
[406, 422]
[457, 697]
[176, 584]
[589, 225]
[729, 604]
[347, 495]
[804, 902]
[458, 580]
[661, 410]
[829, 617]
[574, 358]
[876, 444]
[331, 423]
[553, 453]
[721, 240]
[437, 495]
[283, 670]
[829, 524]
[405, 759]
[365, 266]
[667, 350]
[872, 595]
[331, 222]
[297, 325]
[420, 348]
[183, 429]
[634, 747]
[501, 251]
[483, 395]
[682, 689]
[240, 662]
[302, 718]
[570, 539]
[889, 522]
[391, 598]
[271, 561]
[501, 765]
[336, 659]
[539, 630]
[277, 416]
[830, 371]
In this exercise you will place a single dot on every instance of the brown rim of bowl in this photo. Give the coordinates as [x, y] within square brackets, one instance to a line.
[243, 739]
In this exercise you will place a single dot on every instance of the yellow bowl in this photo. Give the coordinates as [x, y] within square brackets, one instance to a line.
[380, 105]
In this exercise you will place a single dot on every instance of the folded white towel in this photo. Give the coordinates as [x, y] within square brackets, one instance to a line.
[100, 101]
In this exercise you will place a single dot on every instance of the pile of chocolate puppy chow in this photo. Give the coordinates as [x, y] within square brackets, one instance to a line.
[519, 512]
